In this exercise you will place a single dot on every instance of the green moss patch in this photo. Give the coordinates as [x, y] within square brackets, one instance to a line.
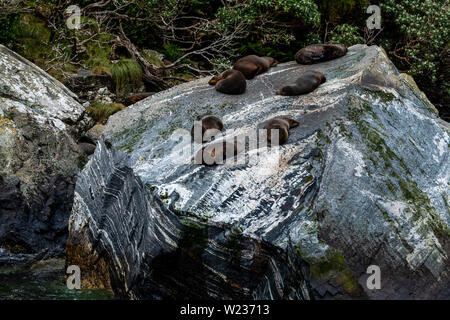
[332, 267]
[100, 112]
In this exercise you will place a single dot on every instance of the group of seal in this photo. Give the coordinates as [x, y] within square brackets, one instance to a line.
[252, 65]
[202, 131]
[233, 81]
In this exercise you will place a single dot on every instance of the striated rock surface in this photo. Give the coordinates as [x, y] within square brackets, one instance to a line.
[364, 179]
[124, 238]
[39, 123]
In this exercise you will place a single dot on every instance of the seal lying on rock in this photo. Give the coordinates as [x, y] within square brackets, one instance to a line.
[229, 82]
[306, 83]
[252, 65]
[282, 124]
[205, 127]
[217, 153]
[320, 52]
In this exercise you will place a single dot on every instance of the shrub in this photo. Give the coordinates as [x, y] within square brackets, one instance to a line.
[422, 27]
[416, 38]
[100, 112]
[9, 34]
[346, 34]
[127, 75]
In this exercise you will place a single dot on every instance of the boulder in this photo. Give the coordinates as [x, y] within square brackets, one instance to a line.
[129, 242]
[363, 181]
[94, 134]
[40, 121]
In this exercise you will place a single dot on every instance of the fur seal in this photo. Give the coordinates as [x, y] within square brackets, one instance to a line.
[320, 52]
[229, 82]
[306, 83]
[217, 153]
[253, 65]
[282, 124]
[210, 126]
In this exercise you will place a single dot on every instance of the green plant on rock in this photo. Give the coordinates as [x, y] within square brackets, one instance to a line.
[172, 51]
[100, 112]
[127, 74]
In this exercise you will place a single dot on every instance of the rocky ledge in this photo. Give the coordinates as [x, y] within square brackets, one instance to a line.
[362, 181]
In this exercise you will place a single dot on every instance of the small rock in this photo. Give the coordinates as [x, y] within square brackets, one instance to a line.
[95, 132]
[87, 148]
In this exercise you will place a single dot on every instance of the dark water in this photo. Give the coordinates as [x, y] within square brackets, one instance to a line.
[42, 281]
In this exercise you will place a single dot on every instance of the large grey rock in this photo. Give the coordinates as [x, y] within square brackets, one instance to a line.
[39, 123]
[364, 179]
[122, 237]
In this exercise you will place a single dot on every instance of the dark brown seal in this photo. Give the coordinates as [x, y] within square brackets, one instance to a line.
[205, 127]
[252, 65]
[320, 52]
[282, 124]
[217, 153]
[229, 82]
[306, 83]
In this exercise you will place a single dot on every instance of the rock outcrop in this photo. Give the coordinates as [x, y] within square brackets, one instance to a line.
[40, 121]
[122, 237]
[364, 180]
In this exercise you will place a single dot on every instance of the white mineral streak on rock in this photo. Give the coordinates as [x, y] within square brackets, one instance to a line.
[41, 96]
[364, 181]
[353, 155]
[39, 121]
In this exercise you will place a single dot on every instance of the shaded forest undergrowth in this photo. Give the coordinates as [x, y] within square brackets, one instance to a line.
[137, 47]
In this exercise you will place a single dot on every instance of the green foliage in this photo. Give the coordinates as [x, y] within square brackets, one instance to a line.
[346, 34]
[271, 27]
[312, 38]
[250, 12]
[34, 38]
[335, 10]
[415, 34]
[97, 54]
[221, 64]
[172, 51]
[100, 112]
[9, 30]
[422, 27]
[127, 74]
